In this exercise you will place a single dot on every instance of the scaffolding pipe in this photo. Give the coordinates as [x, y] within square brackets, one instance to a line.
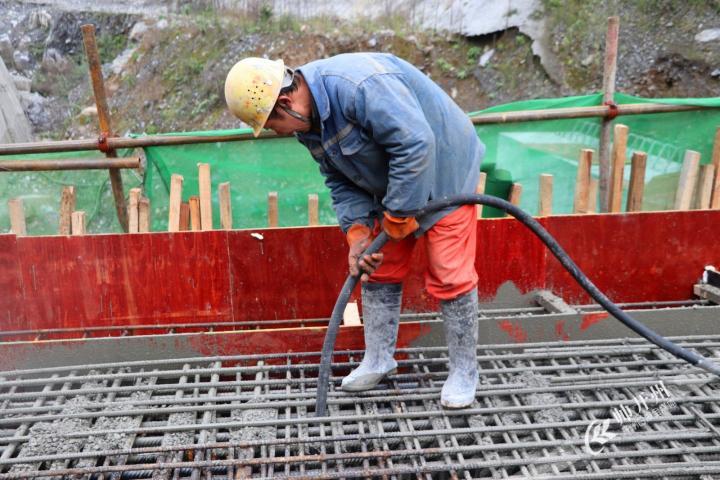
[68, 164]
[116, 143]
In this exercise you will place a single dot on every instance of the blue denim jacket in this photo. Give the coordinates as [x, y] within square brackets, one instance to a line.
[391, 139]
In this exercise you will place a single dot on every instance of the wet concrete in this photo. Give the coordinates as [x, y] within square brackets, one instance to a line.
[552, 412]
[113, 441]
[496, 330]
[46, 438]
[173, 439]
[241, 434]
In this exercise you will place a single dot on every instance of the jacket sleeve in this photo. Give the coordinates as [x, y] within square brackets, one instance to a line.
[351, 203]
[389, 111]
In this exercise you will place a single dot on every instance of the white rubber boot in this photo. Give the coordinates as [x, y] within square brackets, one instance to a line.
[381, 313]
[461, 332]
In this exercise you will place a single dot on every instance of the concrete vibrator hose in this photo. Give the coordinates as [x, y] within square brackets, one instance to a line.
[526, 219]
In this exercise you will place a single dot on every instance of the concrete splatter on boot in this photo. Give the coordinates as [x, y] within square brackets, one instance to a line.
[381, 313]
[461, 332]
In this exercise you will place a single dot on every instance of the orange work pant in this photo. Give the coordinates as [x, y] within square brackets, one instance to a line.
[450, 246]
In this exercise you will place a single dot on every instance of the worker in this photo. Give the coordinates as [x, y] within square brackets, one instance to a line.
[387, 139]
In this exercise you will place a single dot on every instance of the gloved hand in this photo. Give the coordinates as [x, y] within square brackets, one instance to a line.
[398, 228]
[358, 237]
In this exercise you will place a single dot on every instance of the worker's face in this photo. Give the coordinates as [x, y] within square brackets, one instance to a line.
[282, 123]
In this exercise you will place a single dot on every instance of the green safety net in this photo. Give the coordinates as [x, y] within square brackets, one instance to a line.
[41, 192]
[522, 151]
[516, 152]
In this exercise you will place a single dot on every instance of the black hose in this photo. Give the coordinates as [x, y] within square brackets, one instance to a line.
[692, 358]
[334, 324]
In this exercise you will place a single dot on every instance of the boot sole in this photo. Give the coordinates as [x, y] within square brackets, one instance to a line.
[451, 406]
[350, 388]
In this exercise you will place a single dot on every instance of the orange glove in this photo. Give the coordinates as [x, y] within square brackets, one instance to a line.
[358, 237]
[398, 228]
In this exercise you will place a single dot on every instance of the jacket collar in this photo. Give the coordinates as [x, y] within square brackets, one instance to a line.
[313, 80]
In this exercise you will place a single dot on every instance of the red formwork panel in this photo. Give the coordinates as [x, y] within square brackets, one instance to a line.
[508, 251]
[635, 257]
[298, 273]
[104, 280]
[12, 312]
[285, 273]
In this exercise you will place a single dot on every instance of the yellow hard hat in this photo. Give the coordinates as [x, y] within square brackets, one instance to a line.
[251, 89]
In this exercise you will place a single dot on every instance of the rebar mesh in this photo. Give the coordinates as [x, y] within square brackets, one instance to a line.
[543, 410]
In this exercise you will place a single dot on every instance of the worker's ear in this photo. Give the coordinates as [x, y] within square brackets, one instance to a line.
[284, 100]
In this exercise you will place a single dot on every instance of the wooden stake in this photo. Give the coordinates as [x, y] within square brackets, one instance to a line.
[480, 189]
[176, 182]
[93, 58]
[17, 217]
[78, 222]
[514, 195]
[184, 217]
[582, 181]
[272, 209]
[313, 210]
[619, 156]
[636, 189]
[705, 186]
[593, 195]
[144, 215]
[133, 216]
[67, 206]
[206, 222]
[195, 215]
[351, 314]
[715, 202]
[688, 179]
[225, 202]
[609, 71]
[546, 195]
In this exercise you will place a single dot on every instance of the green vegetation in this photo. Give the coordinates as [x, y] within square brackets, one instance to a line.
[60, 85]
[111, 45]
[265, 21]
[266, 13]
[473, 54]
[396, 23]
[651, 7]
[444, 66]
[583, 26]
[207, 103]
[184, 68]
[37, 50]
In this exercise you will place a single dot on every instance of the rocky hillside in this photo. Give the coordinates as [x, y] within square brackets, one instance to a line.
[166, 72]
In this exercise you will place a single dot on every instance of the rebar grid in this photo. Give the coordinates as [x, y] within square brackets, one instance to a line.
[252, 417]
